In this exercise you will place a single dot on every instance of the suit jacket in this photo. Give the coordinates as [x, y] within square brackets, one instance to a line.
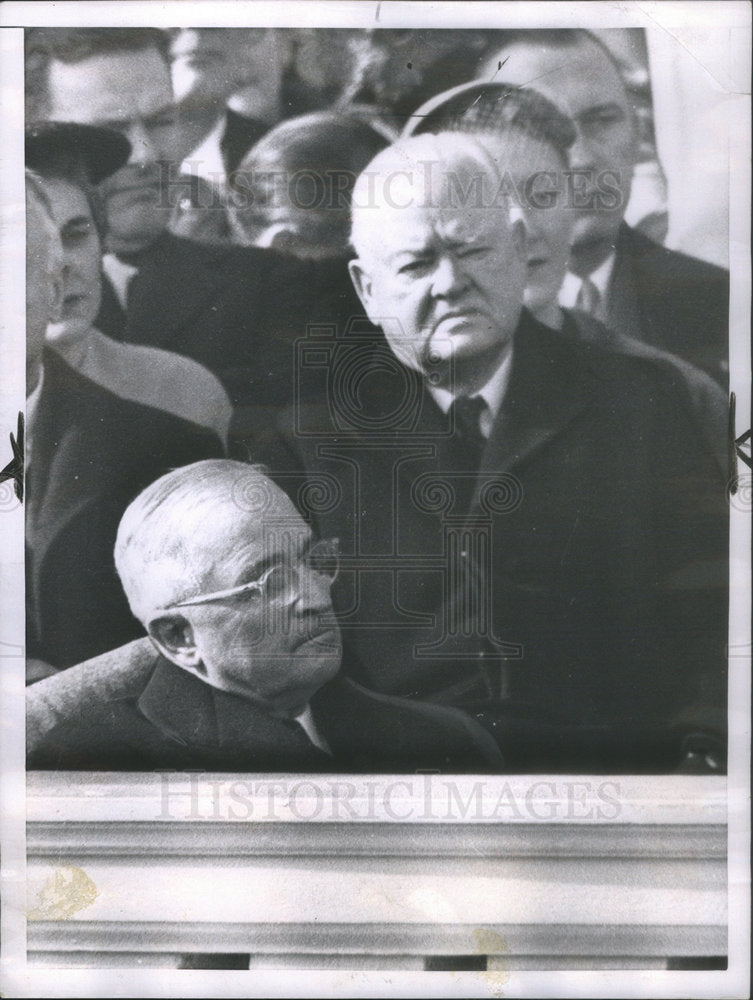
[671, 301]
[580, 604]
[237, 310]
[91, 454]
[708, 399]
[160, 716]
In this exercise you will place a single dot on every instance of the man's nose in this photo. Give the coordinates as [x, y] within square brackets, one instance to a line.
[450, 277]
[143, 149]
[314, 593]
[533, 234]
[582, 152]
[70, 265]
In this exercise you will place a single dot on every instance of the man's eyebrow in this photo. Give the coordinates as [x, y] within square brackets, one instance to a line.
[253, 570]
[409, 252]
[274, 555]
[77, 220]
[168, 109]
[598, 108]
[119, 123]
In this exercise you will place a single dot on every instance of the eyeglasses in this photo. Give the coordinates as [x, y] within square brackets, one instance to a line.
[281, 583]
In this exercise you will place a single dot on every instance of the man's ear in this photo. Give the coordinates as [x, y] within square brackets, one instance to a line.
[636, 136]
[56, 297]
[518, 232]
[284, 45]
[173, 636]
[362, 284]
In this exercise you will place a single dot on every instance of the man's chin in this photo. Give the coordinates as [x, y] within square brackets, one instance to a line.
[594, 239]
[468, 342]
[135, 237]
[594, 228]
[291, 703]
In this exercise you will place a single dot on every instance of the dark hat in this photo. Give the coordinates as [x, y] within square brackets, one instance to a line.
[444, 111]
[51, 146]
[490, 106]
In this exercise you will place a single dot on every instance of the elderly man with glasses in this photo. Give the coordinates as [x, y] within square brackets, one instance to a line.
[241, 671]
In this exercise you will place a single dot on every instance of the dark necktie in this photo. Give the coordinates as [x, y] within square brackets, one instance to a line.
[465, 414]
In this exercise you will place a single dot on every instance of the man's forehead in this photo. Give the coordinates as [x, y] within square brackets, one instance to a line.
[519, 154]
[112, 87]
[413, 228]
[252, 507]
[66, 198]
[575, 77]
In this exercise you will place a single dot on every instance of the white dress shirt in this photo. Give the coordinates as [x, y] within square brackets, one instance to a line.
[493, 392]
[306, 721]
[568, 296]
[120, 275]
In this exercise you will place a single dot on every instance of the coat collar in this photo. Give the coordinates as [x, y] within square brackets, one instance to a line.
[179, 705]
[205, 720]
[71, 459]
[176, 279]
[549, 386]
[550, 383]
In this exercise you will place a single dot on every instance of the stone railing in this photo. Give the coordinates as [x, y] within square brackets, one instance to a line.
[417, 872]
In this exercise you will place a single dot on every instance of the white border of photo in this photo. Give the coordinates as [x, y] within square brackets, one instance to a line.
[716, 37]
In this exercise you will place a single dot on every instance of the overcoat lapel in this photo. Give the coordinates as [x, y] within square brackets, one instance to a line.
[624, 313]
[111, 318]
[64, 478]
[180, 705]
[205, 720]
[547, 390]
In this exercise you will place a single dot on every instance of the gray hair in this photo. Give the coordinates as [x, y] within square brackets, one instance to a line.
[431, 163]
[156, 531]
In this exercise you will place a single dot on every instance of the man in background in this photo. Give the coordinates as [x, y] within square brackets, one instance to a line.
[71, 160]
[87, 451]
[228, 85]
[292, 189]
[635, 286]
[230, 308]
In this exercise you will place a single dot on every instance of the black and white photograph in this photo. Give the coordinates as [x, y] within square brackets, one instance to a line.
[375, 499]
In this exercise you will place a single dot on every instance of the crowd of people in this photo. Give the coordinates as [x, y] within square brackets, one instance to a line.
[363, 432]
